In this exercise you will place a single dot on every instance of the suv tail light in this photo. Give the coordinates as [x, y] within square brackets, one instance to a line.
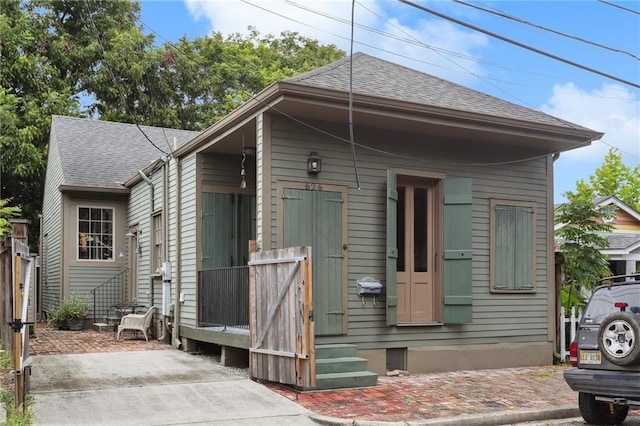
[573, 354]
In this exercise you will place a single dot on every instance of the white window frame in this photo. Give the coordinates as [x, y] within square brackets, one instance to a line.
[80, 235]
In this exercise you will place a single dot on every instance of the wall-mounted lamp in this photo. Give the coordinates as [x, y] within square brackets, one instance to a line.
[314, 164]
[121, 255]
[132, 232]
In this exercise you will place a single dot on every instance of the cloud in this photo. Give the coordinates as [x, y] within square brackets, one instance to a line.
[611, 109]
[376, 32]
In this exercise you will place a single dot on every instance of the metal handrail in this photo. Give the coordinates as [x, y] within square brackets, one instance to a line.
[109, 293]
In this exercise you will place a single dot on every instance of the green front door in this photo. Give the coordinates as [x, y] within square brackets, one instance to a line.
[228, 223]
[314, 218]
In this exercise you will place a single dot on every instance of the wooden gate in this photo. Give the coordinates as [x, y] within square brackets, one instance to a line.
[18, 280]
[281, 317]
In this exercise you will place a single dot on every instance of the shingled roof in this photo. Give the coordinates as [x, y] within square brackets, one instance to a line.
[383, 79]
[99, 154]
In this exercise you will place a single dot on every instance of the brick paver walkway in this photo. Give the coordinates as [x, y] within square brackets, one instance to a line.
[49, 341]
[428, 396]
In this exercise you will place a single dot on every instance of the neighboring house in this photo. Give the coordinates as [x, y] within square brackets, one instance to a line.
[85, 205]
[624, 239]
[453, 215]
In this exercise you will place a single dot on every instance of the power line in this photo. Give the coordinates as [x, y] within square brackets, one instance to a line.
[522, 45]
[620, 7]
[471, 72]
[341, 139]
[351, 136]
[115, 82]
[412, 41]
[532, 24]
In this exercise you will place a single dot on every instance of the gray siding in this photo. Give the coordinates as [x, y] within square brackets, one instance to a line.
[496, 317]
[51, 250]
[140, 209]
[224, 171]
[188, 248]
[84, 279]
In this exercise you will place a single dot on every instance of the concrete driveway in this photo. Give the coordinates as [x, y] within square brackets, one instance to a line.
[166, 387]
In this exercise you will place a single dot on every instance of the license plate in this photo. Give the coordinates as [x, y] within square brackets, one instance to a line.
[590, 357]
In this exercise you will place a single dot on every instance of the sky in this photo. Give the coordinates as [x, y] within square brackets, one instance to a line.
[602, 36]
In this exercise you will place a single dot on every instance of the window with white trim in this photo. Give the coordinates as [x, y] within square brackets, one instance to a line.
[513, 246]
[95, 233]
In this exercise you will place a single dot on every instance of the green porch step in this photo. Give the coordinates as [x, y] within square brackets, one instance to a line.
[338, 367]
[353, 379]
[339, 350]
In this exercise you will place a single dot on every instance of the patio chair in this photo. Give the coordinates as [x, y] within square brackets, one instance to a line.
[136, 322]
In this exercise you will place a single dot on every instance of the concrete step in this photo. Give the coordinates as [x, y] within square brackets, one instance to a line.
[340, 365]
[354, 379]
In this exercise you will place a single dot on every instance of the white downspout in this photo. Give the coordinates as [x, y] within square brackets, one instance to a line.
[165, 239]
[175, 332]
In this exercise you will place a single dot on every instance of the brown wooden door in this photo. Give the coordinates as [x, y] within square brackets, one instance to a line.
[415, 270]
[281, 308]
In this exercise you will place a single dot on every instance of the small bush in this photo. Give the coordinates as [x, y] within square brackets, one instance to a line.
[72, 309]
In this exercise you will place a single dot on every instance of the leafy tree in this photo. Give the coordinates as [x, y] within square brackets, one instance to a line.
[7, 212]
[581, 240]
[46, 59]
[191, 84]
[91, 58]
[613, 177]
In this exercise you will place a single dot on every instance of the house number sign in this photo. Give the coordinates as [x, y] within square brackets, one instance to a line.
[313, 187]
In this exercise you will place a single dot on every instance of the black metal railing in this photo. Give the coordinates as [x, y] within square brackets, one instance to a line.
[223, 297]
[108, 294]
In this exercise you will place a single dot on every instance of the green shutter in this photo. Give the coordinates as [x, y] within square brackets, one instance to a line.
[218, 246]
[513, 247]
[457, 274]
[392, 248]
[504, 250]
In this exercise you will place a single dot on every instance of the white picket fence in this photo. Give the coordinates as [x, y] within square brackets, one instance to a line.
[573, 320]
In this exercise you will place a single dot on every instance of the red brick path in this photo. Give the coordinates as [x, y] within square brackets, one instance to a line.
[49, 341]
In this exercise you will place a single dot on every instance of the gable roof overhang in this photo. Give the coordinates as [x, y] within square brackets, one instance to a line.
[87, 190]
[308, 103]
[612, 199]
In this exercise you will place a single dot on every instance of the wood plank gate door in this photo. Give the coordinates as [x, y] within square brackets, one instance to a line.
[18, 279]
[281, 311]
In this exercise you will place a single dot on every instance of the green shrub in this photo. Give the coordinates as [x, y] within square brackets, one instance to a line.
[72, 309]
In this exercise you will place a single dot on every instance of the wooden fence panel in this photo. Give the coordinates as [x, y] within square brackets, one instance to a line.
[281, 304]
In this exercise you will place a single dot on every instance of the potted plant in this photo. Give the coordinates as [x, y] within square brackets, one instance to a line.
[70, 314]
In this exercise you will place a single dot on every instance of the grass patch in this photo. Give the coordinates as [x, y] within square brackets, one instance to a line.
[14, 416]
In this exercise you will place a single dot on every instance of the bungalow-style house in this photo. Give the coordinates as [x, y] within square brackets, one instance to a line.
[85, 209]
[444, 197]
[624, 239]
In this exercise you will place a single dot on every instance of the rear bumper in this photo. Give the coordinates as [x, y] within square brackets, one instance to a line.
[615, 384]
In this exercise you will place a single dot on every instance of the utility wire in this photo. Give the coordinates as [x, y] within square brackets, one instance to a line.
[414, 41]
[115, 82]
[532, 24]
[620, 7]
[365, 147]
[351, 137]
[516, 43]
[469, 71]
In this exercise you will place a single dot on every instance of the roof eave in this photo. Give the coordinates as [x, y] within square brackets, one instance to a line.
[94, 189]
[452, 115]
[263, 100]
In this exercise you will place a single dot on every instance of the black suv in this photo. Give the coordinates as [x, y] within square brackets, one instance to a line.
[606, 353]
